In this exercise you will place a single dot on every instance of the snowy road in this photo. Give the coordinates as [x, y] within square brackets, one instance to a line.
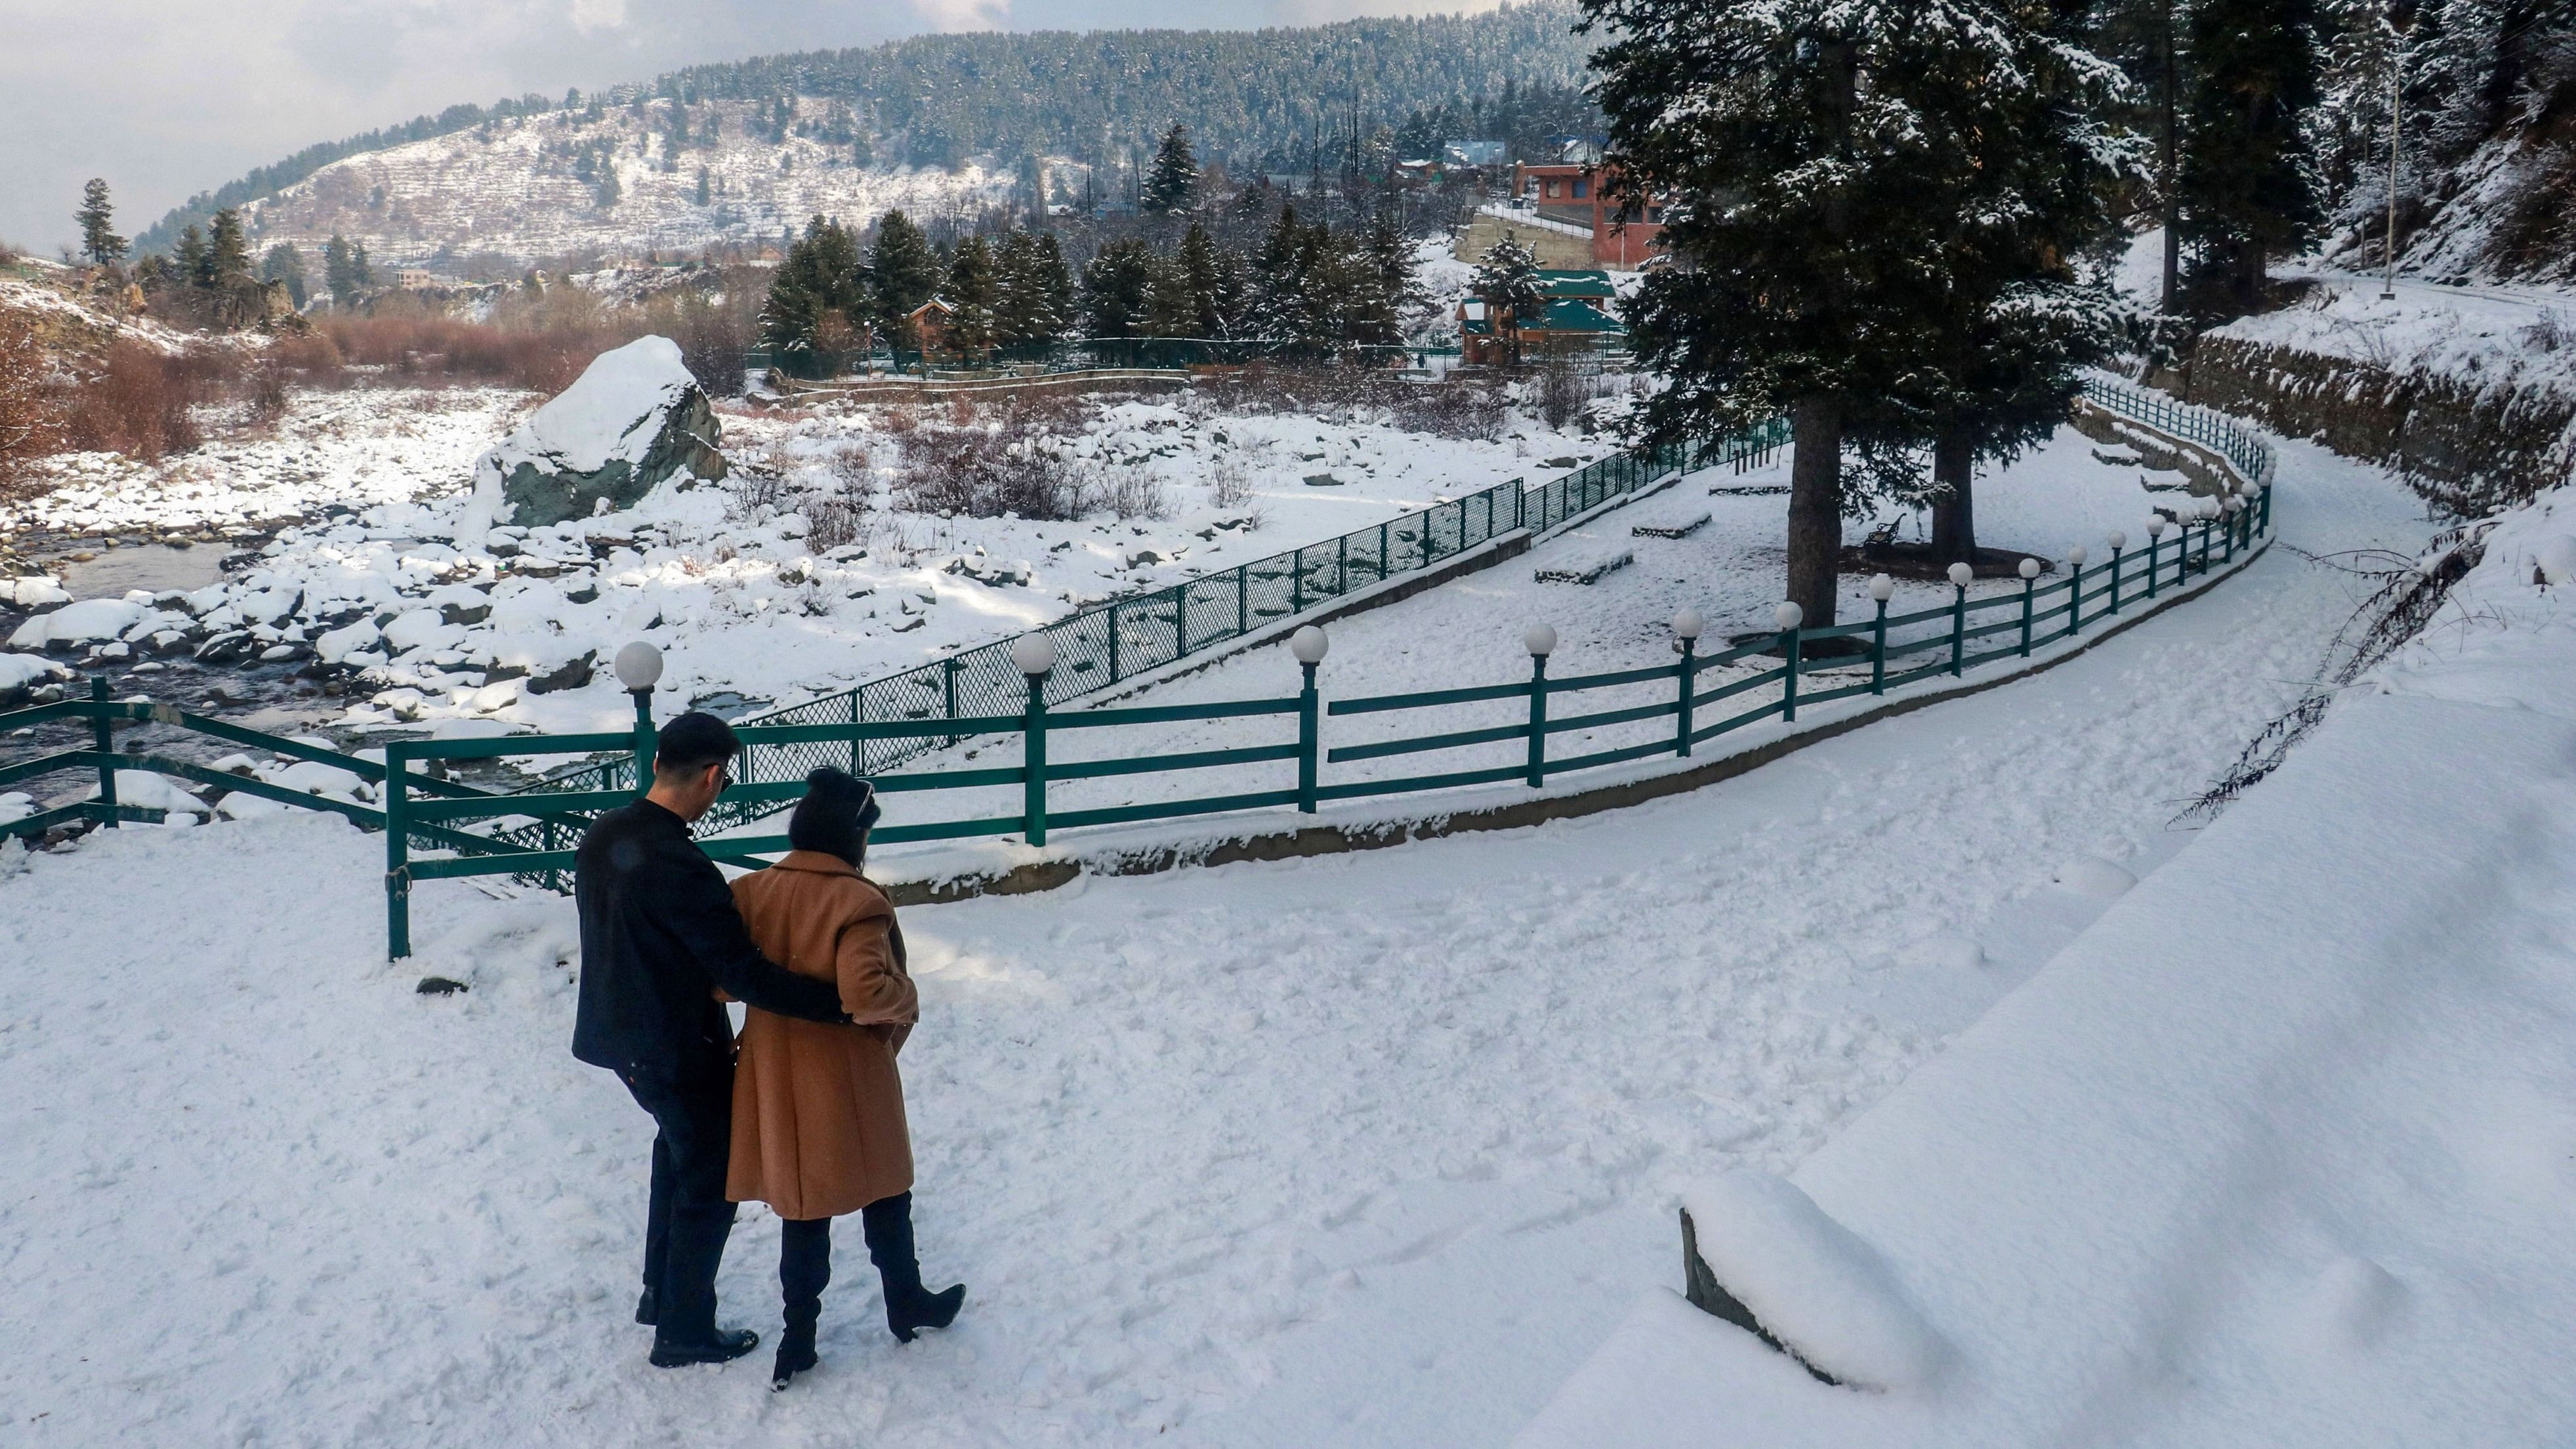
[1363, 1150]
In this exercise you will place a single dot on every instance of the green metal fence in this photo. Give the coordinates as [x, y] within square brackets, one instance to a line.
[1112, 643]
[438, 828]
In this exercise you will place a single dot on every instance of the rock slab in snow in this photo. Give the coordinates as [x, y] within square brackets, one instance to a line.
[1812, 1283]
[634, 418]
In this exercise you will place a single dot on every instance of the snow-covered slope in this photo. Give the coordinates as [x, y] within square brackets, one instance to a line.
[531, 187]
[2276, 1153]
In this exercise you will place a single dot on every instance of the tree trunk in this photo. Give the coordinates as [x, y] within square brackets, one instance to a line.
[1815, 506]
[2167, 180]
[1954, 507]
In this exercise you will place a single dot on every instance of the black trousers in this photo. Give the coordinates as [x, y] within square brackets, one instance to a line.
[689, 1219]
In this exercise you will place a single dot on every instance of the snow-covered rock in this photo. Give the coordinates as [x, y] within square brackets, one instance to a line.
[22, 673]
[634, 418]
[88, 621]
[153, 791]
[1812, 1283]
[35, 591]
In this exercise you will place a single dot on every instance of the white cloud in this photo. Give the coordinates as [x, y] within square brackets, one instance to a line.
[591, 15]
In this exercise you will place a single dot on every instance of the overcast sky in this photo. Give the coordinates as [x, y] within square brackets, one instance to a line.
[166, 98]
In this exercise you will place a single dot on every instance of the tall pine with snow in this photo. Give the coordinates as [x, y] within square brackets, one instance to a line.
[821, 279]
[2247, 188]
[227, 251]
[904, 269]
[97, 218]
[1173, 185]
[973, 295]
[1802, 152]
[2028, 158]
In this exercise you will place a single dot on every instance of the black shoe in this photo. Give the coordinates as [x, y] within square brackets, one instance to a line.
[795, 1356]
[908, 1312]
[726, 1346]
[647, 1311]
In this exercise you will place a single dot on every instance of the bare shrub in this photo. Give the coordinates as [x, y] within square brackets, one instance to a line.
[851, 468]
[31, 403]
[137, 402]
[1454, 407]
[961, 410]
[1562, 392]
[1229, 480]
[985, 474]
[900, 420]
[265, 400]
[1136, 493]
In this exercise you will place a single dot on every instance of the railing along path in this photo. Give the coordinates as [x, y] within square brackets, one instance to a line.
[438, 828]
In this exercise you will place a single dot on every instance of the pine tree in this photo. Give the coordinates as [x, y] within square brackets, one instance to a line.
[1793, 145]
[609, 190]
[1279, 287]
[905, 270]
[1117, 287]
[1506, 280]
[1391, 295]
[227, 251]
[821, 279]
[706, 192]
[361, 271]
[188, 258]
[1174, 182]
[2027, 170]
[2246, 188]
[973, 296]
[1052, 290]
[339, 270]
[97, 217]
[283, 263]
[1202, 269]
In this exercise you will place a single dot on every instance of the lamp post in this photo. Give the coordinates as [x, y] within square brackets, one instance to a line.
[2029, 571]
[639, 668]
[2119, 541]
[1033, 654]
[1309, 646]
[2397, 27]
[1540, 641]
[1687, 627]
[1960, 574]
[2155, 531]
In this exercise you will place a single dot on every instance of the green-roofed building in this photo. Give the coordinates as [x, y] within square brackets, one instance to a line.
[1578, 313]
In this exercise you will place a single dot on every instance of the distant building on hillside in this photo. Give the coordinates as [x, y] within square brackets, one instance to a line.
[413, 279]
[1574, 315]
[1572, 194]
[928, 326]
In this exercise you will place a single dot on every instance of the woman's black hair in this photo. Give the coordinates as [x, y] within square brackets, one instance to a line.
[835, 815]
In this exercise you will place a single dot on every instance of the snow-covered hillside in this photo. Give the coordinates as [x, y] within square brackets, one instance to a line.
[529, 188]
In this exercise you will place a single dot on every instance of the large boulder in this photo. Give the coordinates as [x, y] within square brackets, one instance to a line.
[635, 418]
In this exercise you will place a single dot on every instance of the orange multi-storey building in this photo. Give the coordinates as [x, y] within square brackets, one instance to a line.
[1573, 195]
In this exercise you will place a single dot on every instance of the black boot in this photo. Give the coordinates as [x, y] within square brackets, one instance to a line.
[647, 1311]
[804, 1271]
[909, 1307]
[722, 1345]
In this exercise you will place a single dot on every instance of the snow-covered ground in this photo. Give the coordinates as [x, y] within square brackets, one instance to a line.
[1361, 1150]
[2278, 1152]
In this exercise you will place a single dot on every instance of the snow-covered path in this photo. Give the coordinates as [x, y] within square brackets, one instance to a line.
[1361, 1150]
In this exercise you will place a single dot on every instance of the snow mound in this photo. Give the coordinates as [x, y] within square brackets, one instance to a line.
[35, 591]
[2091, 875]
[81, 623]
[20, 672]
[634, 418]
[1812, 1283]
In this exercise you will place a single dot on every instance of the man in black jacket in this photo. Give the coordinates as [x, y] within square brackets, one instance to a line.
[659, 933]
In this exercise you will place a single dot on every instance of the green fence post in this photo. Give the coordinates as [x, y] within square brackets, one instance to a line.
[2118, 540]
[1789, 615]
[397, 853]
[1242, 599]
[1959, 575]
[1881, 589]
[948, 699]
[1113, 641]
[1687, 624]
[2075, 589]
[2266, 522]
[1297, 580]
[102, 734]
[2155, 529]
[1180, 619]
[553, 841]
[1342, 556]
[1540, 640]
[1033, 739]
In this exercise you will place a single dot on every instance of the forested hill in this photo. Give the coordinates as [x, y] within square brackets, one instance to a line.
[1256, 99]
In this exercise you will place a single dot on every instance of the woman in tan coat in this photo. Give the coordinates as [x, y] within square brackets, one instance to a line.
[818, 1125]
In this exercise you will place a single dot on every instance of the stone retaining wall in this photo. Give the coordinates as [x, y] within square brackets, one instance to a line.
[2465, 447]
